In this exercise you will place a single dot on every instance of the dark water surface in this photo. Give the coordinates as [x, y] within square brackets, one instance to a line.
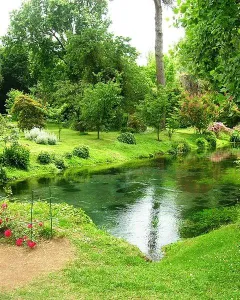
[145, 205]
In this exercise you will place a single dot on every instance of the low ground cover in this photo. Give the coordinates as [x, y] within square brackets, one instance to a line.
[104, 267]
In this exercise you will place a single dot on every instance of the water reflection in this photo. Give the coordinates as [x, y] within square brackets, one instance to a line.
[145, 205]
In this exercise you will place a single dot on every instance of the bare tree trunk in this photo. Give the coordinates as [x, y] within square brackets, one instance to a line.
[159, 43]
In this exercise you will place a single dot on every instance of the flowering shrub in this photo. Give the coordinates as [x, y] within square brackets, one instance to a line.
[41, 136]
[18, 230]
[218, 127]
[198, 111]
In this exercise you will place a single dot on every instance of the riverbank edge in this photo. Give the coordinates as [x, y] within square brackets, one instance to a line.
[199, 268]
[82, 166]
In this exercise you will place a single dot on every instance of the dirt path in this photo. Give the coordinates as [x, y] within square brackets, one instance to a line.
[20, 265]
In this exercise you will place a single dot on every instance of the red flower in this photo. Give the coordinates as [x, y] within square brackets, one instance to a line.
[1, 221]
[4, 205]
[30, 225]
[8, 233]
[19, 242]
[40, 224]
[7, 219]
[31, 244]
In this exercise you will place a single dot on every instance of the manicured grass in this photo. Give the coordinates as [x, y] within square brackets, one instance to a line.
[103, 152]
[206, 267]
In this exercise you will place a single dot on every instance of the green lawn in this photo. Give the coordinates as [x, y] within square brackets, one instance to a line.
[206, 267]
[103, 152]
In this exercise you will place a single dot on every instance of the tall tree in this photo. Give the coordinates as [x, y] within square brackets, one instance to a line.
[159, 39]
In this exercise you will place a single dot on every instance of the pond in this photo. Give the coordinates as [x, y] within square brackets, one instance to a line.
[145, 205]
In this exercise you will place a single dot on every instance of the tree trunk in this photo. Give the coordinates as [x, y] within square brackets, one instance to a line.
[159, 43]
[98, 133]
[158, 133]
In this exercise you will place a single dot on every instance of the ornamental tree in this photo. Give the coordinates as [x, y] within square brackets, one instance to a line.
[199, 111]
[30, 113]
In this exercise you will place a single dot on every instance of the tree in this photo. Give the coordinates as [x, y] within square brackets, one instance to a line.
[199, 111]
[153, 109]
[210, 49]
[30, 113]
[159, 40]
[100, 104]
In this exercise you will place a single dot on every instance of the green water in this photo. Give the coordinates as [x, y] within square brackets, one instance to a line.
[146, 204]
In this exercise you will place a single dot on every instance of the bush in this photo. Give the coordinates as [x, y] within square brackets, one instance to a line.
[52, 139]
[207, 220]
[81, 151]
[41, 136]
[180, 147]
[218, 127]
[68, 155]
[127, 138]
[235, 137]
[16, 156]
[211, 139]
[44, 158]
[201, 143]
[59, 163]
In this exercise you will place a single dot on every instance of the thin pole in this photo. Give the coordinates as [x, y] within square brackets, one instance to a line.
[31, 222]
[50, 211]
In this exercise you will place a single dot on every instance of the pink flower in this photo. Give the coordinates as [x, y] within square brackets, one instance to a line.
[30, 225]
[19, 242]
[31, 244]
[8, 233]
[4, 205]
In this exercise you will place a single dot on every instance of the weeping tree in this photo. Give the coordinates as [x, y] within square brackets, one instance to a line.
[159, 39]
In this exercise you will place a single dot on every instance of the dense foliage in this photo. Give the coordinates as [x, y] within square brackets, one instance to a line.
[210, 49]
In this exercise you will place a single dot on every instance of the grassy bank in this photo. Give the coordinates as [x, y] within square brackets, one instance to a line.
[103, 152]
[205, 267]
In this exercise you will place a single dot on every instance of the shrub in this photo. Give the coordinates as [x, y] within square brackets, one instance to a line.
[207, 220]
[59, 163]
[68, 155]
[201, 143]
[180, 147]
[41, 136]
[44, 158]
[211, 139]
[235, 137]
[127, 138]
[16, 156]
[218, 127]
[81, 151]
[52, 139]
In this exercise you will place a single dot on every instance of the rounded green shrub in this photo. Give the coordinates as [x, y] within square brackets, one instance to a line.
[180, 147]
[211, 139]
[235, 137]
[81, 151]
[127, 138]
[44, 158]
[16, 156]
[201, 143]
[59, 163]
